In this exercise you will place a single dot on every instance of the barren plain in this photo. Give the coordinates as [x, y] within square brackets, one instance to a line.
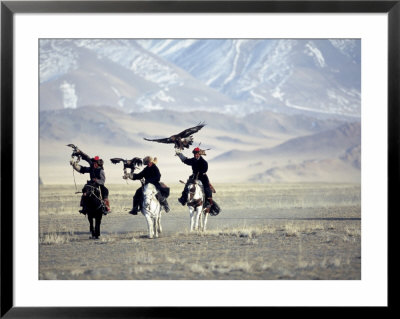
[264, 232]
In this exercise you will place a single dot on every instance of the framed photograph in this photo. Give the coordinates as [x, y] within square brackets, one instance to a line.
[291, 105]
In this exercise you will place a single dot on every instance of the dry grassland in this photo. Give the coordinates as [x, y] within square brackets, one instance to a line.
[267, 232]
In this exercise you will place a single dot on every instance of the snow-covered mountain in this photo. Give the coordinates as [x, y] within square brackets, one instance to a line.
[118, 73]
[236, 76]
[317, 75]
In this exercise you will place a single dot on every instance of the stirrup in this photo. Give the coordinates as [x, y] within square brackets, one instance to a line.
[164, 204]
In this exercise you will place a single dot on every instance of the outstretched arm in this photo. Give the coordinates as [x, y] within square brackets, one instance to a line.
[75, 166]
[129, 175]
[133, 176]
[84, 156]
[182, 157]
[79, 168]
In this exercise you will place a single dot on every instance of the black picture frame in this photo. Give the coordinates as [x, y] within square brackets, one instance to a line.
[9, 8]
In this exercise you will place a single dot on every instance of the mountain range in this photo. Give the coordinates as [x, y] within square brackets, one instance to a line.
[236, 76]
[275, 110]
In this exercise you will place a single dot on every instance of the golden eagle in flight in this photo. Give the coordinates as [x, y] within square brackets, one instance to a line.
[182, 140]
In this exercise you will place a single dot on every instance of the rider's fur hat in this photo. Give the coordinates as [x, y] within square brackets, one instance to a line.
[199, 150]
[149, 159]
[98, 160]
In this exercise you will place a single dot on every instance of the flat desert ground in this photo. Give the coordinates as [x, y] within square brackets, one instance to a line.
[264, 232]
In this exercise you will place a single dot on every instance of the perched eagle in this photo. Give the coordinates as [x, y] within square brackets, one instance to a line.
[182, 140]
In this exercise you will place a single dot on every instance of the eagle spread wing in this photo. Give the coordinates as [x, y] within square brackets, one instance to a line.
[160, 140]
[190, 131]
[116, 160]
[181, 140]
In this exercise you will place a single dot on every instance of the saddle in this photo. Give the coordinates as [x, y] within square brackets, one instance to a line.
[192, 180]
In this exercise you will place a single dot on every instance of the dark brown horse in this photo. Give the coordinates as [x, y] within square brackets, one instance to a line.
[95, 208]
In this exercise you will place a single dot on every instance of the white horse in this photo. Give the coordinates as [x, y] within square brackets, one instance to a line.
[195, 202]
[151, 210]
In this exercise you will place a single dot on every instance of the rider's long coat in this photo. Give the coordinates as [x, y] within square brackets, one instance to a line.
[199, 166]
[97, 173]
[151, 174]
[199, 169]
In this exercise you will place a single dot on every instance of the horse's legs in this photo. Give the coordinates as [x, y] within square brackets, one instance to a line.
[149, 225]
[159, 228]
[192, 217]
[201, 219]
[197, 217]
[97, 226]
[205, 220]
[91, 228]
[155, 225]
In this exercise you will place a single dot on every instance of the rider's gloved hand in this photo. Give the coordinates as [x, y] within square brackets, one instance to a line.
[177, 151]
[71, 162]
[181, 156]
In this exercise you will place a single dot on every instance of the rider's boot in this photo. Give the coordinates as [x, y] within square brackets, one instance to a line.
[184, 196]
[135, 209]
[83, 210]
[182, 201]
[107, 203]
[209, 204]
[82, 203]
[163, 202]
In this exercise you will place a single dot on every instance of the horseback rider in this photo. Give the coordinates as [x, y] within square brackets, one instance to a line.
[97, 177]
[199, 168]
[151, 174]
